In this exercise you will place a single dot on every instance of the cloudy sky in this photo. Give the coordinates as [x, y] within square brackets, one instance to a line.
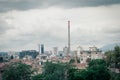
[26, 23]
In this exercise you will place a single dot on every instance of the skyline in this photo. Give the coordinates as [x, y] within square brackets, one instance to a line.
[26, 23]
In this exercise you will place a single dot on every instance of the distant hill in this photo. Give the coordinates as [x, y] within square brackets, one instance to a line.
[109, 47]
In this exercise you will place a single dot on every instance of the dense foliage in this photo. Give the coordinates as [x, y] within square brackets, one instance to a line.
[97, 70]
[113, 62]
[17, 71]
[113, 57]
[38, 77]
[56, 71]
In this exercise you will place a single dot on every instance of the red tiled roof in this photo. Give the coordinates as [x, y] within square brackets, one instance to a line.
[81, 65]
[14, 60]
[2, 65]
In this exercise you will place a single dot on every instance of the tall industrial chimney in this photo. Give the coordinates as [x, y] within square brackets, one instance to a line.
[69, 37]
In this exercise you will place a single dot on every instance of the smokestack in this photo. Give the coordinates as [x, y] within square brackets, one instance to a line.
[68, 37]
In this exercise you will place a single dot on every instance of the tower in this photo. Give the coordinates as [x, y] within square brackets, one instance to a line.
[55, 50]
[79, 51]
[39, 48]
[69, 37]
[65, 50]
[42, 48]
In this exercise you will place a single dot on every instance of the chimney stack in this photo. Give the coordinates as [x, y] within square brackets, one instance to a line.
[69, 37]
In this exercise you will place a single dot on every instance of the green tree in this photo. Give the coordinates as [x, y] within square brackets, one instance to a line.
[117, 77]
[97, 62]
[96, 70]
[17, 71]
[113, 57]
[109, 58]
[56, 71]
[38, 77]
[117, 56]
[79, 75]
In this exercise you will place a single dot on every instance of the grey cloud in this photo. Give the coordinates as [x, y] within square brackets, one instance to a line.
[111, 34]
[87, 3]
[4, 27]
[112, 30]
[7, 5]
[16, 42]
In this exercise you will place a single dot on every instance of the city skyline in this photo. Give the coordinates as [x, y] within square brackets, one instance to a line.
[26, 23]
